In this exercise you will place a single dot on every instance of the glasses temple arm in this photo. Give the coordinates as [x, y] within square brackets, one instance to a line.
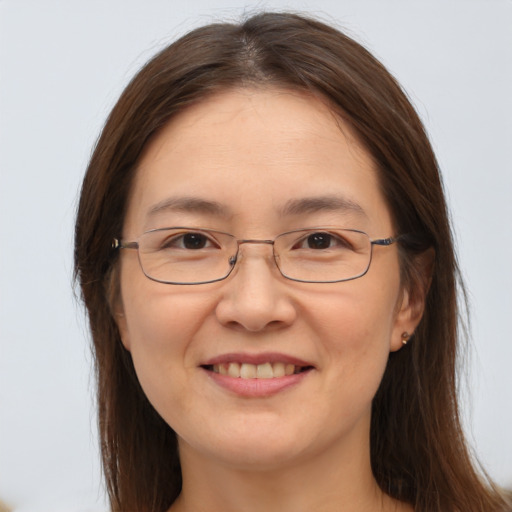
[385, 241]
[119, 244]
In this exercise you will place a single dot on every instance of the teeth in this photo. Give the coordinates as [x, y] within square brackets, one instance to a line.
[278, 369]
[256, 371]
[233, 369]
[289, 369]
[248, 371]
[264, 371]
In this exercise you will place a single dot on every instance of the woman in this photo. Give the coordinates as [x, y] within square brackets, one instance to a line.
[263, 247]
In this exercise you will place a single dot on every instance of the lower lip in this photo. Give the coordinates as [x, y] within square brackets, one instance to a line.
[257, 388]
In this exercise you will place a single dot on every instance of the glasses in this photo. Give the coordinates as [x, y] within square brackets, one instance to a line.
[183, 255]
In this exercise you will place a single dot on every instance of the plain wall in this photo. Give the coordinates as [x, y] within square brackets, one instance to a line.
[62, 66]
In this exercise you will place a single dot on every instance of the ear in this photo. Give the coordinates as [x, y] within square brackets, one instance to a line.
[411, 303]
[115, 303]
[122, 325]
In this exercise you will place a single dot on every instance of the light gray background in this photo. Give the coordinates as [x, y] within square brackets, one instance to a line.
[62, 65]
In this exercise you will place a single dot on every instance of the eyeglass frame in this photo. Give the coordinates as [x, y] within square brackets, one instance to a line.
[118, 243]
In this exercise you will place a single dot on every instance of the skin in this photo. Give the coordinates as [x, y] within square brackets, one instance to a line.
[306, 447]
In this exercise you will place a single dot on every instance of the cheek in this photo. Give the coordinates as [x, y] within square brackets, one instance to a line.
[161, 325]
[355, 320]
[354, 329]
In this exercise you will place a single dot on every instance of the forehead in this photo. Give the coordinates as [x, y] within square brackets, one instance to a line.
[252, 117]
[253, 150]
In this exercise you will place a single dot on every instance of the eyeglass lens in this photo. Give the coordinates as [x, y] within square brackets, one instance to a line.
[191, 256]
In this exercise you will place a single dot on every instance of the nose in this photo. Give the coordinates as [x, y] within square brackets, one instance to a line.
[256, 297]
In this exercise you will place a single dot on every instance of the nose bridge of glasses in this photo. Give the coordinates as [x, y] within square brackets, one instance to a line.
[251, 242]
[254, 241]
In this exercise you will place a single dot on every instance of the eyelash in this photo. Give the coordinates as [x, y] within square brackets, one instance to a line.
[332, 238]
[179, 240]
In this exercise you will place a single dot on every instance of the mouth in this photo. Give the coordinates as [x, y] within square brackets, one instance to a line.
[256, 375]
[266, 370]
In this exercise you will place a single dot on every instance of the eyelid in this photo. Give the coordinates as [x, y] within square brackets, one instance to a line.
[334, 237]
[177, 239]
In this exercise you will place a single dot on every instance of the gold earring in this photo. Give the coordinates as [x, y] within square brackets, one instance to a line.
[405, 337]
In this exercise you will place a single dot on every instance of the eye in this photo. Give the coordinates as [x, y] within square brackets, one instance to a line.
[322, 240]
[192, 240]
[319, 241]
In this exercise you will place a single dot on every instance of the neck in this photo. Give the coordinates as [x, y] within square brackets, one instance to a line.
[332, 482]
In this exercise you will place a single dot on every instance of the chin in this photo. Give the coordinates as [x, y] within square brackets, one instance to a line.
[262, 447]
[269, 456]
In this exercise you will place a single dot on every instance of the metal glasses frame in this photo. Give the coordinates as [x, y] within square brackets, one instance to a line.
[117, 243]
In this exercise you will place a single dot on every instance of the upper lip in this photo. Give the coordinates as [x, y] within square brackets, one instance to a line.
[265, 357]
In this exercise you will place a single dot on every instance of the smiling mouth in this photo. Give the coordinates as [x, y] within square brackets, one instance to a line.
[256, 371]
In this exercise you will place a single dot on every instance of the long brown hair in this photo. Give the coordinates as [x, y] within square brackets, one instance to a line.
[418, 452]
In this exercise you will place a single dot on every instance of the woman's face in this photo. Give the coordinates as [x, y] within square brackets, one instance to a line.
[257, 163]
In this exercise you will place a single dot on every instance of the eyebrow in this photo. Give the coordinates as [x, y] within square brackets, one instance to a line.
[322, 203]
[292, 207]
[189, 204]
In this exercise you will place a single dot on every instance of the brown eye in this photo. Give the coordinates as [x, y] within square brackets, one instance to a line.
[322, 240]
[194, 241]
[319, 241]
[191, 240]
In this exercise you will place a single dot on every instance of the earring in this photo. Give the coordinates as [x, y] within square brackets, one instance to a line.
[405, 337]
